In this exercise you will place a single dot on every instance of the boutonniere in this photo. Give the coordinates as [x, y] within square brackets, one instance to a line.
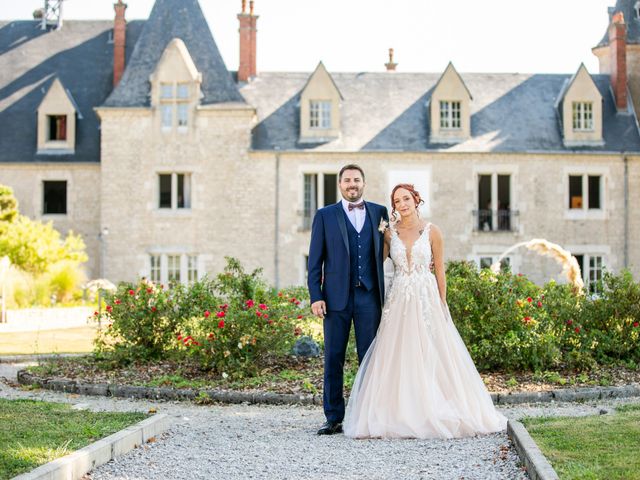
[383, 225]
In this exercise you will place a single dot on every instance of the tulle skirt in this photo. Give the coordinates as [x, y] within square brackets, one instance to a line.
[417, 380]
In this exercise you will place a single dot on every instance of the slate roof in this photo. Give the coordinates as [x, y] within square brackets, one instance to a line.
[387, 112]
[170, 19]
[630, 18]
[81, 55]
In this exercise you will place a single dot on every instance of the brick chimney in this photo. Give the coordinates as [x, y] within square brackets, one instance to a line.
[391, 67]
[618, 59]
[119, 41]
[248, 31]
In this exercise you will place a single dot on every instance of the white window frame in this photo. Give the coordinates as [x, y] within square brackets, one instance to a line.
[189, 266]
[589, 252]
[188, 191]
[582, 116]
[320, 173]
[586, 213]
[172, 99]
[494, 252]
[450, 115]
[636, 9]
[320, 114]
[494, 171]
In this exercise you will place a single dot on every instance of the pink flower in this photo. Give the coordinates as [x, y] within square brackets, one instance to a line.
[117, 301]
[207, 313]
[262, 306]
[539, 304]
[220, 314]
[258, 313]
[221, 324]
[250, 303]
[131, 292]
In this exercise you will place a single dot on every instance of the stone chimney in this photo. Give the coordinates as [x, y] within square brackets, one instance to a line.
[391, 67]
[618, 60]
[119, 41]
[248, 31]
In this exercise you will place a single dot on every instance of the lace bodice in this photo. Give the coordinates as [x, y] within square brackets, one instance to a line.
[412, 258]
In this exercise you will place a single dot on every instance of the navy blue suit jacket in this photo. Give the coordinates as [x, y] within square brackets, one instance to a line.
[329, 266]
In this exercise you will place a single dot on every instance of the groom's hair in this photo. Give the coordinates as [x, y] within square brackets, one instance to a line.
[351, 166]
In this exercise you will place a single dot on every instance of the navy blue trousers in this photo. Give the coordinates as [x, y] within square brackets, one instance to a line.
[363, 308]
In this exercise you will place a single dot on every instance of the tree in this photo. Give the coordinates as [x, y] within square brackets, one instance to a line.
[8, 204]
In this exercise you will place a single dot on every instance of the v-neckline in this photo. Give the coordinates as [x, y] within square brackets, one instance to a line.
[406, 250]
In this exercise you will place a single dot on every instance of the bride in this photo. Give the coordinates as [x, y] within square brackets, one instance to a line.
[417, 380]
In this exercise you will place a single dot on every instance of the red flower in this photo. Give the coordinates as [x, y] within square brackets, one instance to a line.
[220, 314]
[265, 316]
[539, 304]
[526, 319]
[577, 329]
[258, 313]
[293, 300]
[207, 313]
[95, 314]
[131, 292]
[262, 306]
[636, 324]
[569, 322]
[297, 302]
[529, 299]
[542, 297]
[520, 275]
[250, 303]
[270, 322]
[221, 324]
[153, 309]
[196, 343]
[300, 317]
[109, 308]
[211, 337]
[223, 307]
[149, 290]
[297, 331]
[117, 301]
[279, 294]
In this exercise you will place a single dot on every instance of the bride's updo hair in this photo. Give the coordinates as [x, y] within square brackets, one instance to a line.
[411, 189]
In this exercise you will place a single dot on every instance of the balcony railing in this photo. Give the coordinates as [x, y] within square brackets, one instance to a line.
[495, 220]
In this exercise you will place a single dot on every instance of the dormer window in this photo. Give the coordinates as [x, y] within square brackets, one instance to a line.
[174, 102]
[57, 130]
[582, 116]
[450, 114]
[320, 114]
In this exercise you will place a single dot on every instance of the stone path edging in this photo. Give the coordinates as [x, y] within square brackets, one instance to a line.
[77, 464]
[538, 467]
[37, 357]
[228, 396]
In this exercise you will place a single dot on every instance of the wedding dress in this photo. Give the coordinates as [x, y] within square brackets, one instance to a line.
[417, 380]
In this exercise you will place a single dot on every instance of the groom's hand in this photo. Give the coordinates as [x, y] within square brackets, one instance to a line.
[319, 308]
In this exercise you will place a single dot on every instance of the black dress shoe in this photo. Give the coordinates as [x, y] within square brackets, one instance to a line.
[329, 428]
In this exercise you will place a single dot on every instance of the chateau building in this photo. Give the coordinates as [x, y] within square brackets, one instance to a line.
[137, 136]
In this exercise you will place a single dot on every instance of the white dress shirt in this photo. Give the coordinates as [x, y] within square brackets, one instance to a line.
[357, 215]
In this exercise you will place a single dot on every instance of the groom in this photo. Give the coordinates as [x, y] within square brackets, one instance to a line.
[346, 282]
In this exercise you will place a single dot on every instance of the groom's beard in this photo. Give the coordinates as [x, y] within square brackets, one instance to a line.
[353, 194]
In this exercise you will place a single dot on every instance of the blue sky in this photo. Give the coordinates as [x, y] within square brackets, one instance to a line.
[545, 36]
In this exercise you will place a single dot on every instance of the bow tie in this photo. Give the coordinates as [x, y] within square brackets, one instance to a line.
[356, 205]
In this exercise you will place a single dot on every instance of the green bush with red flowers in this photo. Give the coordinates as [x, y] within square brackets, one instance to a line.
[232, 324]
[510, 323]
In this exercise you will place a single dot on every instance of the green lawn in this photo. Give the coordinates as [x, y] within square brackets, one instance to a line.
[67, 340]
[33, 433]
[591, 448]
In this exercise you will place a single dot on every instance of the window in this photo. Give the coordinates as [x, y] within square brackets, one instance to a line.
[320, 114]
[591, 266]
[581, 184]
[57, 130]
[485, 261]
[173, 268]
[449, 114]
[174, 191]
[174, 102]
[192, 268]
[320, 190]
[54, 197]
[494, 203]
[154, 271]
[582, 116]
[636, 9]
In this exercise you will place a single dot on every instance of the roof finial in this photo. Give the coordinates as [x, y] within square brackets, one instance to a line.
[251, 7]
[391, 66]
[244, 6]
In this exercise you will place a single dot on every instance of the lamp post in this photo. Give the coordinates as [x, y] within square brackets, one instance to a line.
[5, 263]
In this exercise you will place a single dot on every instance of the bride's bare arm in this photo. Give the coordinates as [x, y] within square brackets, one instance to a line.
[437, 248]
[387, 244]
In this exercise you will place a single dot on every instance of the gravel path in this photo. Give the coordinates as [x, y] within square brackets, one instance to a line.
[279, 442]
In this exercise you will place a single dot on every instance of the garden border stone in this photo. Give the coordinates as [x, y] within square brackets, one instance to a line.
[538, 467]
[75, 465]
[230, 396]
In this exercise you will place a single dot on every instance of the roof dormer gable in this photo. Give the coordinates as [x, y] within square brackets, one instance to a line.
[579, 107]
[175, 67]
[320, 101]
[450, 108]
[57, 114]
